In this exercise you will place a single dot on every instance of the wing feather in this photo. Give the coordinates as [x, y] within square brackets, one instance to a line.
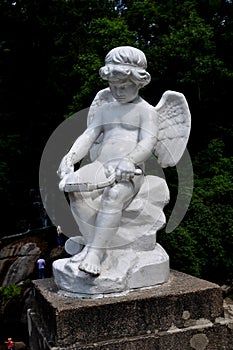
[174, 124]
[102, 97]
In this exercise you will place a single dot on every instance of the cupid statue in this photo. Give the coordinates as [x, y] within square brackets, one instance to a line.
[117, 207]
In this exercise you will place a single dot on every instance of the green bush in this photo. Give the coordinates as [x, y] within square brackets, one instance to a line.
[9, 292]
[202, 244]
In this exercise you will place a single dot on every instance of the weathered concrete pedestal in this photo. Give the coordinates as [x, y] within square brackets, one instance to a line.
[184, 313]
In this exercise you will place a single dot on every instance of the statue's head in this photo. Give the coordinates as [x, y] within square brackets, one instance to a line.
[126, 61]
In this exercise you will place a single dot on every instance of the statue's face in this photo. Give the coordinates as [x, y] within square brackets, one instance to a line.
[124, 90]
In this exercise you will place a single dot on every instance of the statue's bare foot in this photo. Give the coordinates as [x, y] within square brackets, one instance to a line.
[91, 263]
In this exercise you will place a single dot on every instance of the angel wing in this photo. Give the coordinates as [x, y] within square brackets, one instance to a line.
[102, 97]
[174, 124]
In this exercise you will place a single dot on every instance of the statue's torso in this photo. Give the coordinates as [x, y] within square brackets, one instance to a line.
[121, 125]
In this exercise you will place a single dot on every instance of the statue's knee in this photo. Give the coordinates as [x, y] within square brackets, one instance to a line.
[116, 197]
[111, 195]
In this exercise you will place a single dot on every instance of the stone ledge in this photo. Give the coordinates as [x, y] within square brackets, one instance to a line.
[142, 314]
[203, 336]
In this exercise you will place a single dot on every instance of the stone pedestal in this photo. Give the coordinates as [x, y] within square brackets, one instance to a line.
[184, 313]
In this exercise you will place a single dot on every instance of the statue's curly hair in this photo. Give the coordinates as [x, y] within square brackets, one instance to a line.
[125, 61]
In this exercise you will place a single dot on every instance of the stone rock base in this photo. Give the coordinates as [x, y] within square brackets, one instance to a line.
[131, 270]
[184, 313]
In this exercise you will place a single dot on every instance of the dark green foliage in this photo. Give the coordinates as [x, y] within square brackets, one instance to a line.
[104, 34]
[8, 293]
[203, 243]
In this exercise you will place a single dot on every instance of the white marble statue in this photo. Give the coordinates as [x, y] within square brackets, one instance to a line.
[118, 208]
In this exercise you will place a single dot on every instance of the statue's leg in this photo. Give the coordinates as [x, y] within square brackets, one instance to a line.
[85, 205]
[113, 201]
[84, 211]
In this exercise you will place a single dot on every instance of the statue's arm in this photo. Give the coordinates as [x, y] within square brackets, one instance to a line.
[79, 149]
[147, 138]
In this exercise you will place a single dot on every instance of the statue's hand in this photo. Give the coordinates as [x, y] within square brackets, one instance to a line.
[62, 184]
[125, 170]
[66, 167]
[109, 169]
